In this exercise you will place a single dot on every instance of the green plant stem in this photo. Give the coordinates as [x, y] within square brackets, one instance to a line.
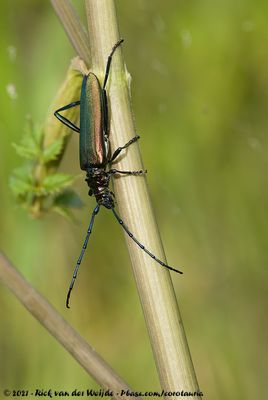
[73, 27]
[39, 307]
[154, 284]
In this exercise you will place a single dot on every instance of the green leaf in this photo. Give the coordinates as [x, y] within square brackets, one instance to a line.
[37, 133]
[30, 146]
[30, 152]
[32, 132]
[51, 152]
[57, 182]
[68, 198]
[20, 182]
[18, 186]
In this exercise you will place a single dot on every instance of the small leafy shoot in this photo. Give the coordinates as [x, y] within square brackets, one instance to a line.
[35, 184]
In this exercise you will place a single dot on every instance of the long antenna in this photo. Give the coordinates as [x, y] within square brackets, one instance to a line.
[141, 245]
[95, 212]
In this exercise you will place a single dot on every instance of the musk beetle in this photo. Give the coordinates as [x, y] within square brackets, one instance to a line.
[95, 157]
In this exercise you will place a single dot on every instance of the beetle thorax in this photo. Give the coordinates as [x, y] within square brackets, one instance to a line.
[98, 181]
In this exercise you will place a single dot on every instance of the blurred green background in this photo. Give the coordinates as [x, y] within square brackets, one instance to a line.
[200, 84]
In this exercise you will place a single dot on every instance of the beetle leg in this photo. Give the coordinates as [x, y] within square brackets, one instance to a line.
[64, 120]
[105, 113]
[118, 151]
[108, 65]
[116, 171]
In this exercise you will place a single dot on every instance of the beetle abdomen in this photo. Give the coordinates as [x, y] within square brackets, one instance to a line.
[92, 143]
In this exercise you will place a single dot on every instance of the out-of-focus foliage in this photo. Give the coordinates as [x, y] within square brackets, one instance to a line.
[34, 186]
[199, 93]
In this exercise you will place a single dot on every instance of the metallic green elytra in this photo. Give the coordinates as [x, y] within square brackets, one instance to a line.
[93, 135]
[94, 154]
